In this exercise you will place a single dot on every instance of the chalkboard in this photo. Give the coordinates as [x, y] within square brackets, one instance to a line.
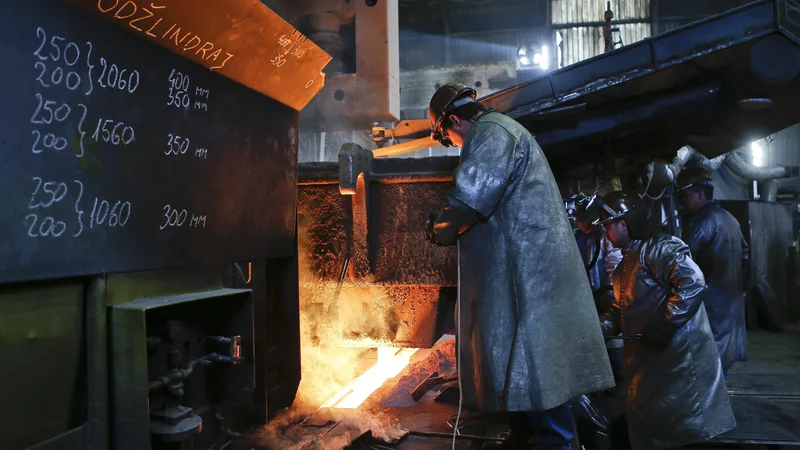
[118, 155]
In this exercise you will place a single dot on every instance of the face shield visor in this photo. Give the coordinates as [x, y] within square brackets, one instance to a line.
[437, 117]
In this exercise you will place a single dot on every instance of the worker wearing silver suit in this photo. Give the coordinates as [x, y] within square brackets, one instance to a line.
[529, 336]
[715, 239]
[676, 392]
[600, 259]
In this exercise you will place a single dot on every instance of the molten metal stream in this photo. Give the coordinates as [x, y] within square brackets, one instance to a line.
[390, 362]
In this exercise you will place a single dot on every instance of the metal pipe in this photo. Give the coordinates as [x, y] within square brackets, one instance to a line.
[465, 437]
[180, 375]
[772, 187]
[738, 165]
[405, 147]
[665, 174]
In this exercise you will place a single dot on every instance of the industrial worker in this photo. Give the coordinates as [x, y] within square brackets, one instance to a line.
[600, 258]
[529, 340]
[676, 392]
[715, 238]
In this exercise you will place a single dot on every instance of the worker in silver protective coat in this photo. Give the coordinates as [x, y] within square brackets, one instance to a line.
[600, 259]
[676, 391]
[529, 336]
[715, 239]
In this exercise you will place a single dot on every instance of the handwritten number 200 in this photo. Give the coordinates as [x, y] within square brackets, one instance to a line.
[50, 141]
[73, 80]
[47, 227]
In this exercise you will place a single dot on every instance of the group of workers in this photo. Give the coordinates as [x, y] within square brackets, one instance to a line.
[543, 321]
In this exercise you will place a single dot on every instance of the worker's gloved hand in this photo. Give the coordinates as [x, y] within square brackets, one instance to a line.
[659, 333]
[430, 233]
[603, 299]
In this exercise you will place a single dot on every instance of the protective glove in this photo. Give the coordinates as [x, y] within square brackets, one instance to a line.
[603, 299]
[659, 333]
[430, 234]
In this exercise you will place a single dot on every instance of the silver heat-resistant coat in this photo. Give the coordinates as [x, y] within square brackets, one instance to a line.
[603, 257]
[530, 338]
[718, 247]
[676, 395]
[598, 251]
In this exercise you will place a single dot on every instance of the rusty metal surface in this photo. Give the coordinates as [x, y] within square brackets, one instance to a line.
[398, 288]
[372, 93]
[241, 39]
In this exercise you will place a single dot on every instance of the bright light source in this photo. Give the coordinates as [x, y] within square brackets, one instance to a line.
[758, 154]
[545, 63]
[391, 361]
[534, 56]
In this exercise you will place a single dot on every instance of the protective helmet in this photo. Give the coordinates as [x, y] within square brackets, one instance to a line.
[586, 208]
[444, 100]
[693, 176]
[620, 205]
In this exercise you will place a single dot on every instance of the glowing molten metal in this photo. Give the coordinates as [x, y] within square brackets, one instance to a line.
[390, 362]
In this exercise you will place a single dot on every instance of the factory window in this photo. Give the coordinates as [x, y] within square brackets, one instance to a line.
[578, 26]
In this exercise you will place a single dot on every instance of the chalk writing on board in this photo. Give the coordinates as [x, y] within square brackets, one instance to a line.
[48, 112]
[176, 218]
[176, 145]
[113, 77]
[56, 77]
[180, 145]
[109, 213]
[44, 219]
[113, 132]
[149, 20]
[201, 153]
[58, 64]
[39, 222]
[179, 90]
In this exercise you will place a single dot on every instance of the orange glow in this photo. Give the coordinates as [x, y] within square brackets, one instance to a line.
[390, 362]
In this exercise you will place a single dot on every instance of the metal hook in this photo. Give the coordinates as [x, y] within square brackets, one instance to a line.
[249, 272]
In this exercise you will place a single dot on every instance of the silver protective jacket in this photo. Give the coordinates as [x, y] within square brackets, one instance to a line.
[529, 334]
[600, 256]
[718, 247]
[676, 395]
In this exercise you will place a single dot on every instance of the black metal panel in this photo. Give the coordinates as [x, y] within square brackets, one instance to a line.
[693, 8]
[582, 77]
[99, 205]
[533, 96]
[715, 33]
